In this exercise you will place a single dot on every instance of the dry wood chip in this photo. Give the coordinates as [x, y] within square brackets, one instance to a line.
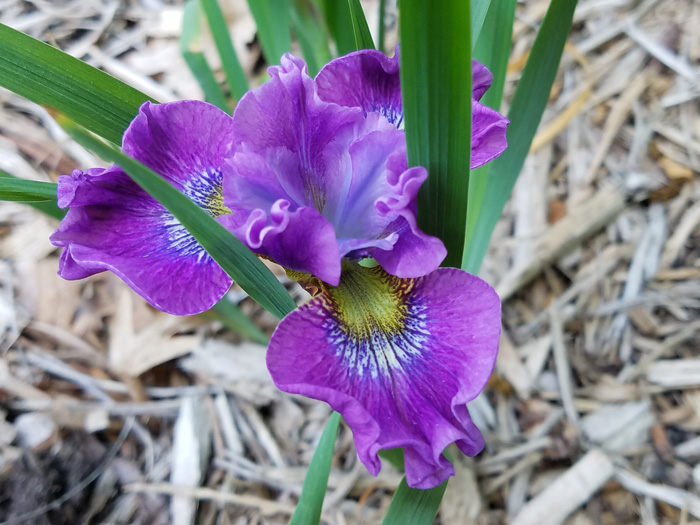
[675, 373]
[190, 456]
[672, 496]
[619, 427]
[511, 367]
[580, 224]
[571, 490]
[265, 506]
[35, 430]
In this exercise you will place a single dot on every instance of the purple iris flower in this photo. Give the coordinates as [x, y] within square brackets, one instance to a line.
[113, 224]
[318, 177]
[370, 80]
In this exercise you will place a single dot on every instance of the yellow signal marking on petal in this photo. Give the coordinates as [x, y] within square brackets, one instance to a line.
[214, 203]
[369, 300]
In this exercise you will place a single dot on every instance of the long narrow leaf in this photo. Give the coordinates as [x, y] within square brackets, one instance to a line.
[479, 9]
[339, 21]
[527, 107]
[437, 112]
[22, 190]
[363, 37]
[413, 506]
[311, 33]
[231, 254]
[191, 49]
[492, 49]
[274, 32]
[229, 59]
[308, 511]
[232, 318]
[39, 195]
[47, 76]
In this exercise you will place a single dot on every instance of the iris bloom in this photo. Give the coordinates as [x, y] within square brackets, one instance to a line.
[313, 174]
[317, 179]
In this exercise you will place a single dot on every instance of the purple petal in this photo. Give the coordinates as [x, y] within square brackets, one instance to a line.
[112, 224]
[488, 134]
[398, 358]
[182, 141]
[295, 154]
[301, 239]
[481, 79]
[369, 80]
[129, 233]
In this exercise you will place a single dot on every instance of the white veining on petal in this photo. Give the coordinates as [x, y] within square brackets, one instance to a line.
[205, 191]
[383, 353]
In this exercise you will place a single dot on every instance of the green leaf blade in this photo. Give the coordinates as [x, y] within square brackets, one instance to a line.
[493, 50]
[190, 46]
[308, 511]
[527, 107]
[235, 76]
[272, 18]
[51, 78]
[339, 19]
[437, 112]
[414, 506]
[311, 34]
[363, 37]
[232, 318]
[39, 195]
[22, 190]
[479, 9]
[230, 253]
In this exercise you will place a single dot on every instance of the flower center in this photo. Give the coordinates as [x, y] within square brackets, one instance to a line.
[207, 192]
[375, 325]
[368, 300]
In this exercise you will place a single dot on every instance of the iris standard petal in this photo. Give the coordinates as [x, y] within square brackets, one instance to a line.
[367, 79]
[310, 182]
[398, 358]
[370, 80]
[112, 224]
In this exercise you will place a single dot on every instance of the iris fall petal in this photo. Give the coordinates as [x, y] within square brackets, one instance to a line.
[112, 224]
[398, 358]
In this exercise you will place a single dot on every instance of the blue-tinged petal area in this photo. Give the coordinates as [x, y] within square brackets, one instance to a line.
[112, 224]
[310, 182]
[398, 358]
[370, 80]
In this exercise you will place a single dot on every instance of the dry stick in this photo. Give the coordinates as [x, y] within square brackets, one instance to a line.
[675, 497]
[113, 451]
[631, 372]
[582, 223]
[568, 492]
[616, 119]
[563, 368]
[265, 506]
[525, 464]
[58, 368]
[677, 63]
[533, 445]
